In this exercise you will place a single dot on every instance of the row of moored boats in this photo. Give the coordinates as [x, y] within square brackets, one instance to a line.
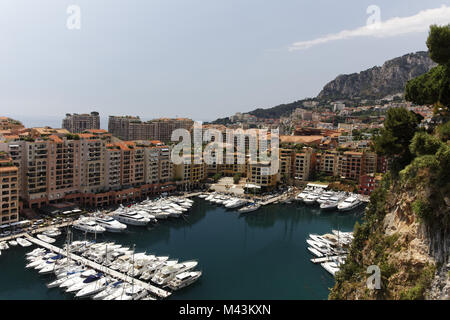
[230, 202]
[140, 214]
[330, 250]
[85, 282]
[329, 200]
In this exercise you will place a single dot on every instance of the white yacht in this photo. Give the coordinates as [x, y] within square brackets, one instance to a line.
[93, 288]
[23, 242]
[184, 279]
[110, 224]
[88, 225]
[77, 286]
[235, 204]
[311, 198]
[4, 246]
[80, 277]
[332, 202]
[250, 208]
[108, 290]
[350, 203]
[12, 243]
[325, 196]
[131, 218]
[45, 238]
[52, 232]
[130, 293]
[166, 274]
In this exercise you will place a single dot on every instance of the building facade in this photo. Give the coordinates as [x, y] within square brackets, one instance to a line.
[78, 123]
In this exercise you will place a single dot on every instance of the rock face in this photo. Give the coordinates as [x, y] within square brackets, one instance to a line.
[379, 82]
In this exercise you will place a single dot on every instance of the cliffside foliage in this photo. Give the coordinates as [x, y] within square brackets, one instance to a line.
[413, 199]
[434, 87]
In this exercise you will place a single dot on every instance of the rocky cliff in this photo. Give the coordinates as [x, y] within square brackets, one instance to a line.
[378, 82]
[406, 234]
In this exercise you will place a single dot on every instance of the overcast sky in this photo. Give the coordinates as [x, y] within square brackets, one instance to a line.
[201, 59]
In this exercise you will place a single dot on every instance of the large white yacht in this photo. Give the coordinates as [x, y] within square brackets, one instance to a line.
[250, 208]
[88, 225]
[184, 279]
[164, 275]
[110, 224]
[350, 203]
[132, 218]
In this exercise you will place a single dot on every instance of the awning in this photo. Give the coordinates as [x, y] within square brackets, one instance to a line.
[253, 186]
[316, 185]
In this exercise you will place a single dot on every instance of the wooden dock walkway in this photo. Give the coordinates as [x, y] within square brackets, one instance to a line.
[152, 289]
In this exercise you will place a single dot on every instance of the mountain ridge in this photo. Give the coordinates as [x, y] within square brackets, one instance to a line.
[371, 84]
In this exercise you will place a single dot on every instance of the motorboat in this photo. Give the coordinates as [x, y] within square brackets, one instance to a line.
[109, 289]
[131, 218]
[4, 246]
[236, 203]
[23, 242]
[45, 238]
[52, 232]
[81, 284]
[88, 225]
[250, 208]
[93, 288]
[325, 196]
[164, 275]
[311, 198]
[184, 279]
[130, 293]
[13, 243]
[315, 252]
[80, 277]
[59, 281]
[349, 203]
[332, 202]
[110, 224]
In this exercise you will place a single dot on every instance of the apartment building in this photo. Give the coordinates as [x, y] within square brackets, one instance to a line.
[259, 175]
[132, 128]
[304, 164]
[9, 190]
[327, 162]
[188, 175]
[78, 123]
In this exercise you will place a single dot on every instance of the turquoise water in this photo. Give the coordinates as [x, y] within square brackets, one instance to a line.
[259, 256]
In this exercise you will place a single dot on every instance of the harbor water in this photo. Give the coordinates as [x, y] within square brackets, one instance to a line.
[262, 255]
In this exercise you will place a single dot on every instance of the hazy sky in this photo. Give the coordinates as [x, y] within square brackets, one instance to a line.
[201, 59]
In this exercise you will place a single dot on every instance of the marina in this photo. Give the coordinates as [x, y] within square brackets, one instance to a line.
[268, 242]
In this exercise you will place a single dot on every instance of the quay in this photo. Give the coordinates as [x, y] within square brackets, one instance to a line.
[155, 290]
[34, 231]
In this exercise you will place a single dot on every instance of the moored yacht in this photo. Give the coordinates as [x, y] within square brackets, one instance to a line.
[184, 279]
[110, 224]
[88, 225]
[131, 218]
[166, 274]
[250, 208]
[350, 203]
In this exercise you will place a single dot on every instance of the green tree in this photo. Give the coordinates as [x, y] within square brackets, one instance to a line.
[434, 86]
[399, 129]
